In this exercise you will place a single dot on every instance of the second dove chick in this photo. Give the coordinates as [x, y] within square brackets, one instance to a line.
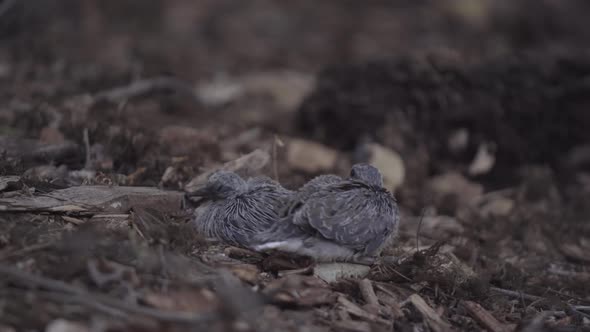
[234, 210]
[346, 220]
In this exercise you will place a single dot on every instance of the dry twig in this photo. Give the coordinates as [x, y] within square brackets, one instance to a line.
[367, 291]
[483, 317]
[516, 294]
[145, 86]
[434, 321]
[25, 250]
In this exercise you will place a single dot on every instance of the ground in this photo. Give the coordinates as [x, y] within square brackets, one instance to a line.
[474, 110]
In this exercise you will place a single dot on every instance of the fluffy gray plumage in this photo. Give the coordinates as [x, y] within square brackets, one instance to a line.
[308, 189]
[334, 219]
[234, 210]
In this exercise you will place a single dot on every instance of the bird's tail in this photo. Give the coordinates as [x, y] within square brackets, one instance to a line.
[269, 245]
[291, 245]
[280, 235]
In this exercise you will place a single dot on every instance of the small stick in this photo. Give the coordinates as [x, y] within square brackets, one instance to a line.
[275, 142]
[483, 317]
[353, 309]
[418, 230]
[26, 250]
[87, 147]
[240, 253]
[145, 86]
[367, 291]
[431, 317]
[516, 294]
[304, 270]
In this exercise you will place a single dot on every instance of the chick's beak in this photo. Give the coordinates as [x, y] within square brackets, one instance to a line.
[199, 194]
[200, 191]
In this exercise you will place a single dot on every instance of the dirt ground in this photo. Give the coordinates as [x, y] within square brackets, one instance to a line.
[475, 111]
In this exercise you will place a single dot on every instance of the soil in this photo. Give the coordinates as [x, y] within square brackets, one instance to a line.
[485, 102]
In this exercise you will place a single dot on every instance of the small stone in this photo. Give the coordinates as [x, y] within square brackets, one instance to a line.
[455, 185]
[483, 161]
[51, 135]
[310, 157]
[458, 140]
[497, 207]
[390, 163]
[62, 325]
[331, 272]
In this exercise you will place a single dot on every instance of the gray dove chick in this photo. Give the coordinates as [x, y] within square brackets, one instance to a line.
[234, 210]
[345, 220]
[303, 194]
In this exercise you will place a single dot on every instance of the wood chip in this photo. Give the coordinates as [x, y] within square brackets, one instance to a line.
[351, 326]
[367, 291]
[73, 220]
[240, 253]
[483, 317]
[305, 291]
[246, 272]
[434, 321]
[393, 305]
[9, 181]
[357, 311]
[95, 199]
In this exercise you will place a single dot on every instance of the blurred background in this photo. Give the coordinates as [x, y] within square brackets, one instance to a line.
[475, 109]
[439, 82]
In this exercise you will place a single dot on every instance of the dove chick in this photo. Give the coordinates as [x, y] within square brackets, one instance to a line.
[337, 220]
[234, 210]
